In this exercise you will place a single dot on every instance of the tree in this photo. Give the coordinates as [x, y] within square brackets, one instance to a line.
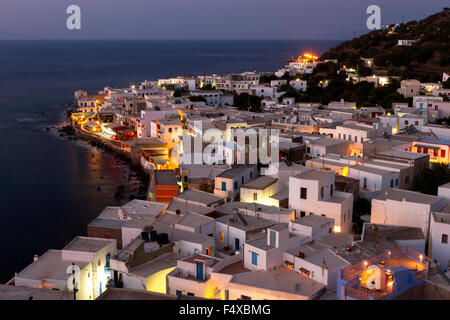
[244, 101]
[431, 178]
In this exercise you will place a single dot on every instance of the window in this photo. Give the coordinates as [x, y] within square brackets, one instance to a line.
[221, 237]
[179, 293]
[235, 185]
[303, 193]
[396, 182]
[251, 175]
[345, 137]
[255, 196]
[350, 137]
[416, 123]
[331, 190]
[365, 183]
[442, 153]
[435, 153]
[356, 139]
[392, 183]
[224, 186]
[419, 149]
[445, 238]
[185, 178]
[302, 213]
[272, 238]
[242, 180]
[254, 258]
[406, 122]
[321, 192]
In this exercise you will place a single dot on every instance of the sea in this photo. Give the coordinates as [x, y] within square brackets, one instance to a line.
[52, 187]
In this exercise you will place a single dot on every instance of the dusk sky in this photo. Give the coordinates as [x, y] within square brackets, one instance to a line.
[204, 19]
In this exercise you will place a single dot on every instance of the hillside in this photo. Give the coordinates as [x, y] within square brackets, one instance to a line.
[424, 60]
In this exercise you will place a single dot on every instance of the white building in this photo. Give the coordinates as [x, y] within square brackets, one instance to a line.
[439, 243]
[314, 192]
[89, 258]
[299, 85]
[228, 183]
[374, 179]
[405, 208]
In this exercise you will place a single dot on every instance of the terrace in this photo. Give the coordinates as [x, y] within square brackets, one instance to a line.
[400, 269]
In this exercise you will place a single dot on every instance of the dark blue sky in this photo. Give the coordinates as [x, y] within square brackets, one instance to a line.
[204, 19]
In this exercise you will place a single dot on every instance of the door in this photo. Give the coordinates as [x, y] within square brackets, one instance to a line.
[236, 244]
[200, 270]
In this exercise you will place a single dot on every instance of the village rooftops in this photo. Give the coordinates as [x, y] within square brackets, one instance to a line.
[201, 257]
[315, 175]
[198, 196]
[253, 223]
[260, 183]
[184, 207]
[234, 172]
[50, 266]
[320, 256]
[408, 196]
[372, 231]
[440, 217]
[8, 292]
[162, 262]
[386, 142]
[313, 220]
[87, 244]
[193, 220]
[142, 207]
[326, 141]
[372, 170]
[230, 207]
[401, 154]
[130, 294]
[282, 280]
[165, 177]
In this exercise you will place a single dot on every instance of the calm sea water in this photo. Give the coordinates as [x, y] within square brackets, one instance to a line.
[49, 185]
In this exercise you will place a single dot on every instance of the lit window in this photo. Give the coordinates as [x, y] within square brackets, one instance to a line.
[337, 229]
[221, 237]
[255, 196]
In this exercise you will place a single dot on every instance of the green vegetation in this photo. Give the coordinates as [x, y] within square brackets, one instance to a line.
[431, 178]
[425, 60]
[363, 93]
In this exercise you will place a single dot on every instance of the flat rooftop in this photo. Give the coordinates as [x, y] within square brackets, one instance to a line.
[440, 217]
[166, 177]
[234, 172]
[8, 292]
[260, 183]
[194, 220]
[371, 170]
[49, 266]
[374, 231]
[282, 280]
[130, 294]
[313, 220]
[253, 222]
[401, 154]
[315, 175]
[408, 196]
[203, 197]
[87, 244]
